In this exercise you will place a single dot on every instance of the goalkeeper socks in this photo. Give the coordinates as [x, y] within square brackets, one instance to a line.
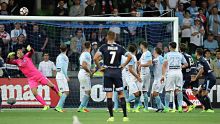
[167, 99]
[84, 101]
[123, 106]
[186, 99]
[145, 100]
[40, 99]
[110, 106]
[179, 95]
[62, 100]
[158, 102]
[115, 100]
[130, 98]
[207, 102]
[55, 88]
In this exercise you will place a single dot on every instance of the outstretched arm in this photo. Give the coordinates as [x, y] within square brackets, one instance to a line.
[30, 51]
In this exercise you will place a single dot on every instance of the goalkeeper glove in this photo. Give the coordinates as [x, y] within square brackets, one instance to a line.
[11, 54]
[28, 48]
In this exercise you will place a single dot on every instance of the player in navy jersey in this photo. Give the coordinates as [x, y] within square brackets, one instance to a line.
[210, 80]
[187, 77]
[112, 54]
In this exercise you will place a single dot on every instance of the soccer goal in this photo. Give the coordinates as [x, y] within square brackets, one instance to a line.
[45, 34]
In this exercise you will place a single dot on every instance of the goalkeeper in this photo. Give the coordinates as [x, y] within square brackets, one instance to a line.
[34, 76]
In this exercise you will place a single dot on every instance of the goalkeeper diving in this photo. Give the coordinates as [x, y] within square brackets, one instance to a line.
[34, 76]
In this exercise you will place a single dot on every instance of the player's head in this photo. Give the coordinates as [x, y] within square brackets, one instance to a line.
[46, 56]
[20, 53]
[143, 45]
[87, 45]
[111, 36]
[132, 48]
[183, 47]
[63, 48]
[218, 54]
[199, 52]
[157, 51]
[172, 46]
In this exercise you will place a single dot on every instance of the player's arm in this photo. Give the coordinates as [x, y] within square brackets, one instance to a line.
[85, 67]
[148, 63]
[96, 59]
[201, 70]
[30, 51]
[185, 63]
[131, 70]
[129, 57]
[164, 69]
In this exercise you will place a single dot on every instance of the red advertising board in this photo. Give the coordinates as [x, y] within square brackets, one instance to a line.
[18, 88]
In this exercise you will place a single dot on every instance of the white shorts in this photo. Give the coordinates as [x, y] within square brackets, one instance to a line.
[84, 80]
[174, 81]
[124, 80]
[62, 82]
[157, 86]
[132, 86]
[145, 82]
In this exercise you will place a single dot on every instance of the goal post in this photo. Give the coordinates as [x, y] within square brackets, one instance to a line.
[65, 29]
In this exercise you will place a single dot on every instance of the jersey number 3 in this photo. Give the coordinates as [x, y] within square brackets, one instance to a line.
[113, 53]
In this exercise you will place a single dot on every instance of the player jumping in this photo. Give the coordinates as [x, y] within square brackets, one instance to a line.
[25, 64]
[62, 78]
[84, 76]
[172, 67]
[157, 87]
[112, 53]
[143, 68]
[210, 80]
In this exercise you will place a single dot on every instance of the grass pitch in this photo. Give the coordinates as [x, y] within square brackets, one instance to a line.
[36, 116]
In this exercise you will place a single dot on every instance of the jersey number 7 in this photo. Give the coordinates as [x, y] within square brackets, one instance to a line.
[113, 53]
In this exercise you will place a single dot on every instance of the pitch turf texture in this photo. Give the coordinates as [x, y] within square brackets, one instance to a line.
[35, 116]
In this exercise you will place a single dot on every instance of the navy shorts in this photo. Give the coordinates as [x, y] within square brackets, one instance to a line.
[210, 81]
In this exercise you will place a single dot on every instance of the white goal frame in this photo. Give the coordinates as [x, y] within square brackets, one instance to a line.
[123, 19]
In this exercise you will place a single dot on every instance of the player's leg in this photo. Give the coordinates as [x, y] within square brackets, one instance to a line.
[119, 88]
[0, 99]
[39, 98]
[169, 87]
[145, 89]
[157, 87]
[85, 86]
[64, 89]
[115, 97]
[186, 82]
[178, 91]
[47, 82]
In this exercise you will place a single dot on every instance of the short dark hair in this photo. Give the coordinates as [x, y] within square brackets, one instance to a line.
[132, 48]
[87, 44]
[199, 51]
[173, 45]
[207, 50]
[144, 43]
[218, 50]
[46, 53]
[183, 47]
[200, 9]
[63, 47]
[158, 50]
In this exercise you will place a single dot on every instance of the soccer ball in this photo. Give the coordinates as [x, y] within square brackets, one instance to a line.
[11, 101]
[24, 11]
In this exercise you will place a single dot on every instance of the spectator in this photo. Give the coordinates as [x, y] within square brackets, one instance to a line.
[1, 72]
[101, 35]
[47, 67]
[107, 7]
[5, 37]
[21, 44]
[180, 13]
[143, 4]
[92, 9]
[17, 32]
[165, 50]
[13, 7]
[160, 45]
[139, 8]
[77, 9]
[39, 40]
[172, 4]
[207, 55]
[66, 35]
[202, 17]
[214, 23]
[4, 10]
[210, 43]
[161, 6]
[186, 28]
[61, 10]
[124, 6]
[151, 7]
[115, 13]
[94, 48]
[196, 39]
[211, 3]
[93, 37]
[193, 9]
[215, 64]
[76, 47]
[204, 6]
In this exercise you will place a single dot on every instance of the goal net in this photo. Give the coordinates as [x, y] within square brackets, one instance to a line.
[45, 34]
